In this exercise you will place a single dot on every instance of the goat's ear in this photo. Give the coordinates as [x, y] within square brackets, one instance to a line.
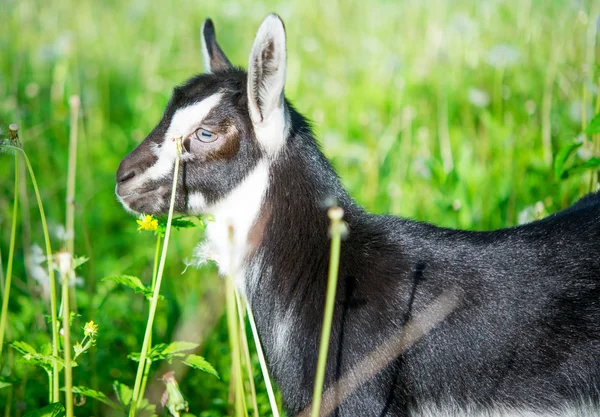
[212, 54]
[266, 70]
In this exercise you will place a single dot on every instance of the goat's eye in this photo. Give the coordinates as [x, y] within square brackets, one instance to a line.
[204, 135]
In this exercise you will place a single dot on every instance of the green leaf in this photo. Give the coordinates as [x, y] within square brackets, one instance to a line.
[164, 351]
[52, 410]
[147, 409]
[23, 348]
[46, 349]
[198, 362]
[78, 261]
[155, 353]
[123, 393]
[6, 381]
[594, 126]
[180, 223]
[177, 347]
[32, 357]
[132, 282]
[592, 163]
[561, 158]
[100, 396]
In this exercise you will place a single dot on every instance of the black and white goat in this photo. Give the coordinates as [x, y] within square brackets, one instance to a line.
[522, 336]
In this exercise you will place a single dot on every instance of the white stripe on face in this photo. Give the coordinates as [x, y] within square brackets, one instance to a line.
[183, 123]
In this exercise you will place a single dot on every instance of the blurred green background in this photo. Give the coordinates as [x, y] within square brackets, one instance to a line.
[452, 112]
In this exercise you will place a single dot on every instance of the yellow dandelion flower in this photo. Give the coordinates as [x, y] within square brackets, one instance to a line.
[90, 329]
[147, 223]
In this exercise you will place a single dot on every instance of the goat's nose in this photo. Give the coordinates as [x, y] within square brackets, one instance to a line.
[125, 172]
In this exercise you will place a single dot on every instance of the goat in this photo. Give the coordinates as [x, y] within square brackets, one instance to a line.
[519, 333]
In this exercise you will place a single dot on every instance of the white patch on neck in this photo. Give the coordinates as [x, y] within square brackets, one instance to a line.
[234, 216]
[196, 203]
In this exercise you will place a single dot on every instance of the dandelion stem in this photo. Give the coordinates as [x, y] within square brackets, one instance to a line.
[156, 258]
[335, 215]
[149, 362]
[11, 255]
[263, 362]
[155, 294]
[54, 392]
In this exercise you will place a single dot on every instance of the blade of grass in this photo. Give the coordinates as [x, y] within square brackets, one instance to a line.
[70, 215]
[234, 343]
[263, 362]
[66, 268]
[54, 392]
[68, 273]
[11, 255]
[335, 215]
[155, 295]
[244, 341]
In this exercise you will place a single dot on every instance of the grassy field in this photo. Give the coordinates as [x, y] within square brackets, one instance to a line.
[452, 112]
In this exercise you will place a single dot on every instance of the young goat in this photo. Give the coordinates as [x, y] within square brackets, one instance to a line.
[428, 321]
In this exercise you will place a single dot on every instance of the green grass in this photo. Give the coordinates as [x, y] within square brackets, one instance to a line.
[392, 88]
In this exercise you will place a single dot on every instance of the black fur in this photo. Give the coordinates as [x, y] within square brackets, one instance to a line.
[525, 333]
[527, 330]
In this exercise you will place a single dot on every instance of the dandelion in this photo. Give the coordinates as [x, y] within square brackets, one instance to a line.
[37, 271]
[478, 98]
[147, 223]
[503, 56]
[64, 261]
[90, 329]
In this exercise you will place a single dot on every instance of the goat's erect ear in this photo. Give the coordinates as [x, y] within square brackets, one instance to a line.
[212, 54]
[266, 69]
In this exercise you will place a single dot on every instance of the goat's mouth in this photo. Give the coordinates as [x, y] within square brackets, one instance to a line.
[152, 201]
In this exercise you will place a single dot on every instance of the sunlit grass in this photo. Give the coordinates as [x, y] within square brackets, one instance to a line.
[449, 112]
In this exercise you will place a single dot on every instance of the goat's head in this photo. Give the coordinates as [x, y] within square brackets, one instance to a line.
[229, 122]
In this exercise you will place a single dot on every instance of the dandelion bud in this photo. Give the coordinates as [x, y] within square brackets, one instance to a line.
[172, 398]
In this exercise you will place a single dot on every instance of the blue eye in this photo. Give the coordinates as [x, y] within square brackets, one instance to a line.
[204, 135]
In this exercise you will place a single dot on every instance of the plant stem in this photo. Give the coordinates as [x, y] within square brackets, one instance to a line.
[149, 362]
[234, 343]
[11, 255]
[70, 246]
[54, 393]
[263, 362]
[66, 313]
[246, 351]
[335, 215]
[70, 202]
[154, 301]
[156, 257]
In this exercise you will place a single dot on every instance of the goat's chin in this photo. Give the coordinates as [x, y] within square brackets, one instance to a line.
[150, 202]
